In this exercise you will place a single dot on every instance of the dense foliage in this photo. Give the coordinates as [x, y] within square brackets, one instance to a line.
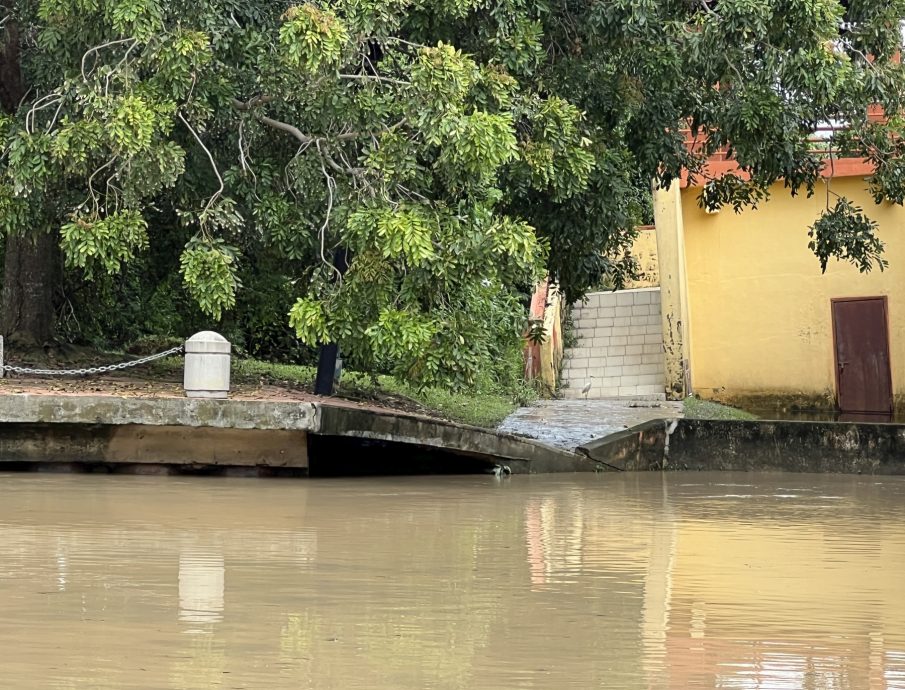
[396, 174]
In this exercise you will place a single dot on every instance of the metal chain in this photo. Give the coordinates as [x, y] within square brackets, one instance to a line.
[92, 370]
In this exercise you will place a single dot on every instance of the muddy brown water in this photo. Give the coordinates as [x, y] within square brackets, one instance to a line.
[607, 581]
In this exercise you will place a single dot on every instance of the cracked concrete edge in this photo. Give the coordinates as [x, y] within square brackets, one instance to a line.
[529, 455]
[640, 447]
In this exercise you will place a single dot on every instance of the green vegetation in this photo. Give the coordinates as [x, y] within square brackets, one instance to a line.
[394, 175]
[484, 407]
[477, 407]
[695, 408]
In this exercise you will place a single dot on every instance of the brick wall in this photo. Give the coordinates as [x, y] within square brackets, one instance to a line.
[620, 346]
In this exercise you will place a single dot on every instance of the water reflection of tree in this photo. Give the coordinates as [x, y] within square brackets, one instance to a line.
[427, 562]
[201, 663]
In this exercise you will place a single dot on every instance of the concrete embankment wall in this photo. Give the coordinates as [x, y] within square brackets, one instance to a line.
[754, 446]
[149, 448]
[151, 435]
[113, 433]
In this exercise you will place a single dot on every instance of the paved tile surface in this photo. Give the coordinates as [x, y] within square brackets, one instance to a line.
[570, 423]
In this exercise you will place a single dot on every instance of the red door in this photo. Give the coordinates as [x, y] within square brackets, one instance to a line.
[863, 376]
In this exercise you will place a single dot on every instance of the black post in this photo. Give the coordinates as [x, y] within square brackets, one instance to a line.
[324, 384]
[326, 369]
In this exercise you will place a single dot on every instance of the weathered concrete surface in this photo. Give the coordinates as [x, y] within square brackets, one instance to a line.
[198, 412]
[571, 423]
[642, 447]
[670, 228]
[109, 444]
[791, 446]
[532, 457]
[114, 429]
[276, 434]
[755, 446]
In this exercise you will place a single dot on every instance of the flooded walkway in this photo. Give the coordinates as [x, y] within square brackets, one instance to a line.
[571, 423]
[635, 580]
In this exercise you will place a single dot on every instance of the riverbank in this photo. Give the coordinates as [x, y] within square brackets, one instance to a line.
[253, 379]
[272, 424]
[152, 428]
[754, 446]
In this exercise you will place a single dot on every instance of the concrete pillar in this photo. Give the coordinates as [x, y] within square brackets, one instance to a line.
[551, 350]
[673, 290]
[207, 366]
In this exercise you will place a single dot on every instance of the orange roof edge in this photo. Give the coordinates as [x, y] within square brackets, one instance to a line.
[840, 167]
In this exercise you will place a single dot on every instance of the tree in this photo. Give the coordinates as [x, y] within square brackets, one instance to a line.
[306, 128]
[450, 151]
[752, 78]
[30, 271]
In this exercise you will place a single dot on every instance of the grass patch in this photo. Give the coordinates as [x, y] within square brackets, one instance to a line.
[478, 408]
[695, 408]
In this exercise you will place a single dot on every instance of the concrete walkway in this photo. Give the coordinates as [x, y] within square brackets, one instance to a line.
[570, 423]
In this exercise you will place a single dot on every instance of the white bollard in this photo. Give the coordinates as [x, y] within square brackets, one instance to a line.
[207, 361]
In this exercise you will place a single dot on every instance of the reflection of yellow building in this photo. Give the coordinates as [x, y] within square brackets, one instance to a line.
[743, 586]
[771, 606]
[748, 315]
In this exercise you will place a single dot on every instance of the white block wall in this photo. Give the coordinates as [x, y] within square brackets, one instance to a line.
[620, 345]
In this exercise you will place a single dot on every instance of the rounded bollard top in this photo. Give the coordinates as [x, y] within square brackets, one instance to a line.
[208, 342]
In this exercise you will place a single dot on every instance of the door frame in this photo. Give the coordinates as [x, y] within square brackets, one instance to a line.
[885, 301]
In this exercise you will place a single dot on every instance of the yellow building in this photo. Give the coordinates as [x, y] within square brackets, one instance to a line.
[750, 319]
[644, 249]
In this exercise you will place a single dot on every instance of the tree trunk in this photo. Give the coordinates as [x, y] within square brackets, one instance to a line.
[30, 277]
[12, 89]
[31, 269]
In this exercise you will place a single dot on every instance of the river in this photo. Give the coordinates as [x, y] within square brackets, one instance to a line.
[650, 581]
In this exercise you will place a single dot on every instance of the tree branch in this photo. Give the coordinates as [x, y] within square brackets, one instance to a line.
[92, 196]
[374, 77]
[251, 104]
[47, 101]
[122, 62]
[210, 157]
[276, 124]
[96, 49]
[396, 39]
[305, 139]
[331, 185]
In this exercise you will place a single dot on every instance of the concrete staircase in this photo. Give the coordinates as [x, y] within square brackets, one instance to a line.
[619, 349]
